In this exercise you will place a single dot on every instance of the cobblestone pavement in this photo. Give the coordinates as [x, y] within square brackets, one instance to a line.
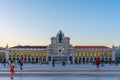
[63, 78]
[66, 67]
[59, 70]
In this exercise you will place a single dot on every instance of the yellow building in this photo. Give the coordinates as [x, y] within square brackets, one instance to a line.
[88, 54]
[28, 53]
[2, 54]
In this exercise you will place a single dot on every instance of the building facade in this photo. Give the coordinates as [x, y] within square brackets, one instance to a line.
[88, 54]
[116, 52]
[60, 49]
[3, 53]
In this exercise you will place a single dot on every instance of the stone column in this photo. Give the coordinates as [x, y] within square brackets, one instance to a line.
[77, 60]
[93, 59]
[39, 60]
[51, 58]
[19, 58]
[113, 55]
[81, 60]
[89, 59]
[31, 59]
[100, 58]
[6, 54]
[35, 59]
[104, 59]
[67, 59]
[46, 57]
[73, 58]
[11, 58]
[85, 60]
[108, 59]
[27, 59]
[42, 60]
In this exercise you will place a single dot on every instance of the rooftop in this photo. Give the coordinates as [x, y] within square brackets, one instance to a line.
[29, 47]
[91, 47]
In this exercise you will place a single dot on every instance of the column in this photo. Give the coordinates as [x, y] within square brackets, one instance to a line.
[42, 60]
[108, 59]
[100, 58]
[51, 58]
[77, 59]
[46, 57]
[89, 59]
[26, 59]
[93, 59]
[19, 57]
[104, 58]
[34, 59]
[31, 59]
[73, 59]
[68, 60]
[11, 57]
[38, 59]
[113, 55]
[6, 54]
[81, 60]
[85, 60]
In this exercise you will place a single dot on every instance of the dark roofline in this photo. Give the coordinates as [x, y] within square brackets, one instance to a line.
[29, 47]
[91, 47]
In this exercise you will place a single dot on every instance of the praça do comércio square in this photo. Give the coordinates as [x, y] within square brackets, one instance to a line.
[78, 60]
[59, 39]
[60, 49]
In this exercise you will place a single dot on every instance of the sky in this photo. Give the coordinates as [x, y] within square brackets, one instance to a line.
[34, 22]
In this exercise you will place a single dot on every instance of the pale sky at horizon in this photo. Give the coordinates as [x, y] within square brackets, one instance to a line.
[34, 22]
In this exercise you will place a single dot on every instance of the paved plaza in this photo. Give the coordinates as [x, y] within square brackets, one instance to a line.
[59, 72]
[66, 67]
[62, 78]
[69, 69]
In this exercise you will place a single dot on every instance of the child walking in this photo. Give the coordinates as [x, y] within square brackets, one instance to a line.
[12, 69]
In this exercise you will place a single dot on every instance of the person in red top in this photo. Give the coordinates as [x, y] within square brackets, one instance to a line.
[12, 69]
[97, 62]
[21, 63]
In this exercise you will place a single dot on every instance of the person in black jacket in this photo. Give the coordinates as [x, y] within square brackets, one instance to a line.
[53, 62]
[4, 62]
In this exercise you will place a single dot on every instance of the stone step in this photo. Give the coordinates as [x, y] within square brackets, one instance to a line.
[61, 74]
[62, 71]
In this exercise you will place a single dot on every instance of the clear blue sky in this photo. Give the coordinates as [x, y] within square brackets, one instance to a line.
[34, 22]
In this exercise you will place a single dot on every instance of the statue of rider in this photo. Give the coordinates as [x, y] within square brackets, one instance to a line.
[60, 37]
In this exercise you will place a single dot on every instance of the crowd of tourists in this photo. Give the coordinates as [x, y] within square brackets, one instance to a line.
[19, 63]
[12, 64]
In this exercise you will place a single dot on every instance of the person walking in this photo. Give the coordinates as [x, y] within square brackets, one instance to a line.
[97, 62]
[102, 63]
[53, 62]
[8, 62]
[21, 63]
[4, 62]
[63, 62]
[16, 62]
[12, 69]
